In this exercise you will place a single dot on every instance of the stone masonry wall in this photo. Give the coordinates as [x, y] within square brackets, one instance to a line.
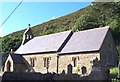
[39, 62]
[109, 54]
[82, 60]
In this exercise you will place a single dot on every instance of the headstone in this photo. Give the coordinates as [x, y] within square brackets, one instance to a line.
[99, 73]
[119, 70]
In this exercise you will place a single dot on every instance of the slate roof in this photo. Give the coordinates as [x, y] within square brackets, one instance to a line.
[85, 41]
[46, 43]
[17, 58]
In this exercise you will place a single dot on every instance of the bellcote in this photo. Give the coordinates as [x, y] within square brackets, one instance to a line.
[28, 35]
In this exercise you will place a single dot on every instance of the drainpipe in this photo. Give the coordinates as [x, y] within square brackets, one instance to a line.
[57, 63]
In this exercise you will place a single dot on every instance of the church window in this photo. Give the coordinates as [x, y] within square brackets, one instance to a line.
[46, 61]
[74, 59]
[27, 36]
[74, 62]
[30, 36]
[32, 62]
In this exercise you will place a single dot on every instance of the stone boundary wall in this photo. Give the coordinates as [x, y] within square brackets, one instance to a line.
[39, 76]
[97, 73]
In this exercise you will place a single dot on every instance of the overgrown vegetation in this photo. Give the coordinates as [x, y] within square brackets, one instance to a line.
[95, 15]
[114, 72]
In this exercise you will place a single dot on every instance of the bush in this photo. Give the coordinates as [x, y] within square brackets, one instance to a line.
[114, 71]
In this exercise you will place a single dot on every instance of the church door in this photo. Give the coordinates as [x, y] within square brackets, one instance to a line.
[8, 66]
[84, 70]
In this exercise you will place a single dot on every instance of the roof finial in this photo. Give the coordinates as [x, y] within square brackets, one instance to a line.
[29, 25]
[11, 51]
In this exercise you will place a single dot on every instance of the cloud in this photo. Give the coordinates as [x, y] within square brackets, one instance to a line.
[53, 17]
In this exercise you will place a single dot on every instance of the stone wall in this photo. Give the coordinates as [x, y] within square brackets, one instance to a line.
[39, 76]
[52, 77]
[109, 54]
[39, 62]
[85, 60]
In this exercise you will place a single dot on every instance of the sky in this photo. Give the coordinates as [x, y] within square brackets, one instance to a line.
[33, 13]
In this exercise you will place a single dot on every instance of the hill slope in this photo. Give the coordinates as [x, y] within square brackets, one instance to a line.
[95, 15]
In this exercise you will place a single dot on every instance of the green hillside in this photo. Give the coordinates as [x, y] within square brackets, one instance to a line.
[94, 15]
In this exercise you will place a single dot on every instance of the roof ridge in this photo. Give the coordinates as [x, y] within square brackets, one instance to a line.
[93, 29]
[53, 34]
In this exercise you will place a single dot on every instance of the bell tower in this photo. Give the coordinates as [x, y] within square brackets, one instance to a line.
[27, 35]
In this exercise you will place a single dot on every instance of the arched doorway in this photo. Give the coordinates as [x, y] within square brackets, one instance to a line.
[8, 66]
[69, 69]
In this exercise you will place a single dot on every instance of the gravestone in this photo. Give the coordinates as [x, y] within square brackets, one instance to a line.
[119, 70]
[99, 73]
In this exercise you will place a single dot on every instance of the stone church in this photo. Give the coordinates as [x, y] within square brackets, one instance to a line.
[68, 52]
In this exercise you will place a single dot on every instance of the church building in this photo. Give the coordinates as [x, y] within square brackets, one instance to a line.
[68, 52]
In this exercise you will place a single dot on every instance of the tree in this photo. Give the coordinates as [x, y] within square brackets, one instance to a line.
[86, 21]
[9, 43]
[115, 25]
[106, 10]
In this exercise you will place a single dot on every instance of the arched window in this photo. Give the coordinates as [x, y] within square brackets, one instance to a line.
[74, 59]
[30, 36]
[75, 62]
